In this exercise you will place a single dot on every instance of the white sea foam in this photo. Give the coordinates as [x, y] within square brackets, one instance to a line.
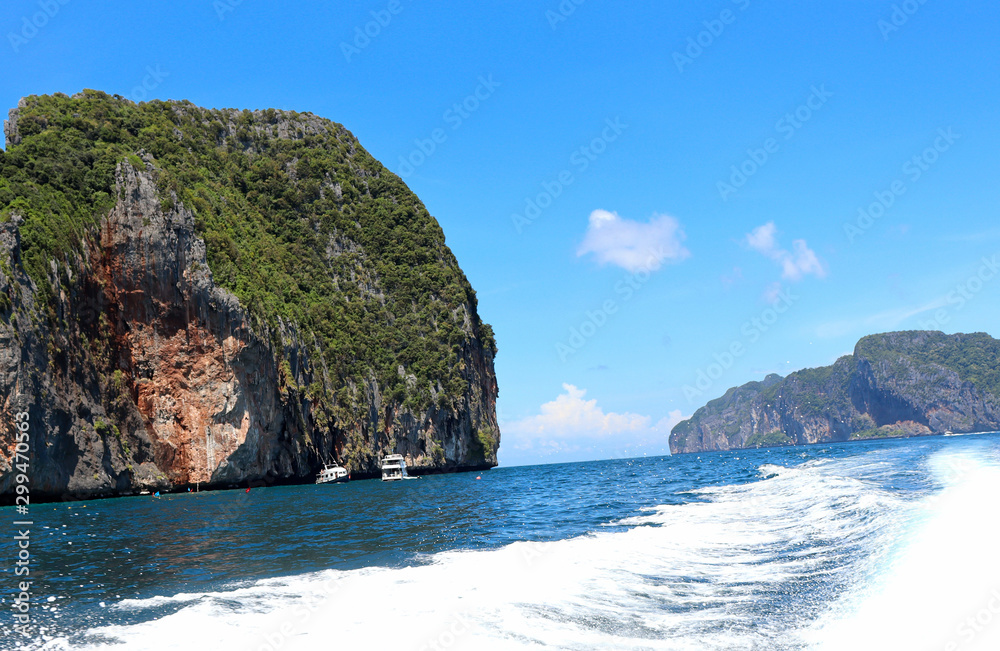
[941, 590]
[813, 556]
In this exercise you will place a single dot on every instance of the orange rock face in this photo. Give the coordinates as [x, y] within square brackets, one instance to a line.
[179, 341]
[195, 419]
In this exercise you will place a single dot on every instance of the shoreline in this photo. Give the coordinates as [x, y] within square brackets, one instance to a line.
[833, 442]
[42, 497]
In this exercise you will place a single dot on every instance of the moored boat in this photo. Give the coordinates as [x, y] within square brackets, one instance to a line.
[394, 468]
[332, 474]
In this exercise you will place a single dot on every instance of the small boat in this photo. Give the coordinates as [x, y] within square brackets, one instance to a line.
[334, 474]
[394, 468]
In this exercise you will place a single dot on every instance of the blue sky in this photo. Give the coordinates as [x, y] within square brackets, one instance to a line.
[655, 201]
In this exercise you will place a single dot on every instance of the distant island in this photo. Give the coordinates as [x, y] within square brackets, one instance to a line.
[897, 384]
[202, 297]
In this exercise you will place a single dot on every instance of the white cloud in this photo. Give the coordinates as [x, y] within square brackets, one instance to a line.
[571, 415]
[633, 245]
[762, 239]
[574, 428]
[795, 264]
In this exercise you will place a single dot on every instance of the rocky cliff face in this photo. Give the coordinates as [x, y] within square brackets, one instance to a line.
[896, 384]
[138, 370]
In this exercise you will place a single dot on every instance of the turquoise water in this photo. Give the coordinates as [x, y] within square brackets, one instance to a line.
[772, 549]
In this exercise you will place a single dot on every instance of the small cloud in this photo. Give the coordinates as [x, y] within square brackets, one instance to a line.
[730, 279]
[795, 264]
[574, 428]
[762, 239]
[664, 425]
[633, 245]
[571, 415]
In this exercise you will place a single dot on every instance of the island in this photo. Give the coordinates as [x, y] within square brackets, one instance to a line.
[196, 297]
[896, 384]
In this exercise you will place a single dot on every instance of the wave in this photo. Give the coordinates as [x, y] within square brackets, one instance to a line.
[941, 590]
[809, 557]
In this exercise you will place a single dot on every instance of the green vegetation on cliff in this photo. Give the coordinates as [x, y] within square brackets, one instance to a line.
[884, 432]
[895, 384]
[768, 440]
[300, 223]
[974, 357]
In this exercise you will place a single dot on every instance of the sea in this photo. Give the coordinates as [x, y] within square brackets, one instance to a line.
[884, 545]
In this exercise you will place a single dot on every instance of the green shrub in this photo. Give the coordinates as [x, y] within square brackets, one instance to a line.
[772, 439]
[484, 444]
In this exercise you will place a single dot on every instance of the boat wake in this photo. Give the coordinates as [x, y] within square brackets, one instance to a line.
[824, 555]
[941, 589]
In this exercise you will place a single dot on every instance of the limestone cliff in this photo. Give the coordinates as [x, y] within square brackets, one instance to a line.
[140, 369]
[894, 385]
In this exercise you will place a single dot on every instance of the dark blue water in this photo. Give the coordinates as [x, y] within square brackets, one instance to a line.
[745, 549]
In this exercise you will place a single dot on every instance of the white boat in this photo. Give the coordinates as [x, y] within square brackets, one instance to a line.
[334, 474]
[394, 468]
